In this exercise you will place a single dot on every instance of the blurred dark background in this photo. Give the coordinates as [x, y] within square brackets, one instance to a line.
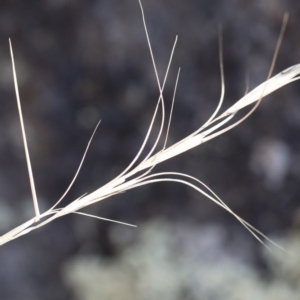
[81, 61]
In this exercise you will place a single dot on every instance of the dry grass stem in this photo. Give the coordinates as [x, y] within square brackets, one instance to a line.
[136, 175]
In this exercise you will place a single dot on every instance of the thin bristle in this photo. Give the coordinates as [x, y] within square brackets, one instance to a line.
[31, 180]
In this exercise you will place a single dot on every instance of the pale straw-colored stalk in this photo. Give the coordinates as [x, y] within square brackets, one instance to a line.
[138, 174]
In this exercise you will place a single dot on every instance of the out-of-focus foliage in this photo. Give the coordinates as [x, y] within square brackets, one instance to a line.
[167, 262]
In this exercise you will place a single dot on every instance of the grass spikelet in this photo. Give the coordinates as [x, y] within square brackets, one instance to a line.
[138, 174]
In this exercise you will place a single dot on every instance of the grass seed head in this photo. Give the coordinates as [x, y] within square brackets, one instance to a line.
[138, 174]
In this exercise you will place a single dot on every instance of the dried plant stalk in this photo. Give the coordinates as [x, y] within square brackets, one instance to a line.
[141, 174]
